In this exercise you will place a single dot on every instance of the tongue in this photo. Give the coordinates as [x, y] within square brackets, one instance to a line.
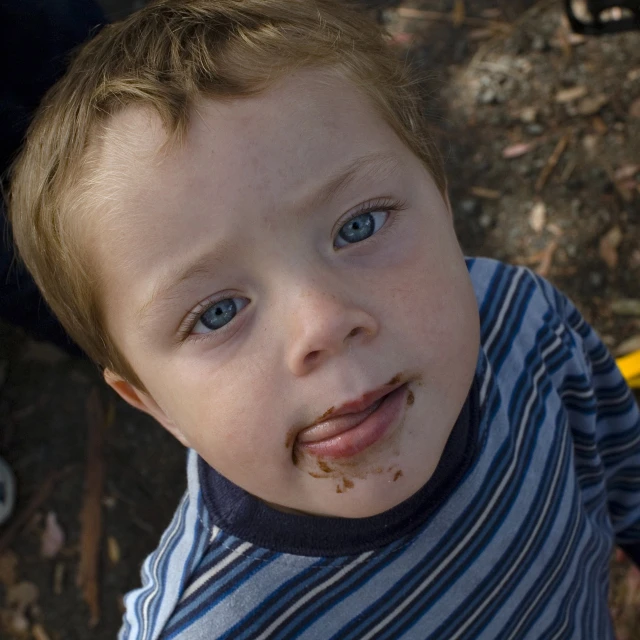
[335, 426]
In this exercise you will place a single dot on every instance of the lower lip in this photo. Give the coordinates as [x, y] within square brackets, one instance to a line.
[372, 429]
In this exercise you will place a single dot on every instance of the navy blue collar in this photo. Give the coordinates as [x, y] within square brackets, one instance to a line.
[242, 515]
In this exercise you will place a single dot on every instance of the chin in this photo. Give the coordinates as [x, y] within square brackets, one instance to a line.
[361, 505]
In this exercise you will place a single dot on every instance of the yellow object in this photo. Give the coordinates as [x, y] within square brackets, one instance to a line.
[630, 368]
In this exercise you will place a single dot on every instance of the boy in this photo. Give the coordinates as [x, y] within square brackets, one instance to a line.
[237, 210]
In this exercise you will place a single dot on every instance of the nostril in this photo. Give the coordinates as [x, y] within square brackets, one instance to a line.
[356, 332]
[312, 357]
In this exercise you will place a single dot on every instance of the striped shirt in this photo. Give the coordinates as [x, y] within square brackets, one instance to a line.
[510, 538]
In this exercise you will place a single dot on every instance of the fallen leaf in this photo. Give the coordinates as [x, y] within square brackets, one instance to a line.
[569, 95]
[53, 538]
[21, 596]
[517, 150]
[538, 217]
[58, 578]
[608, 247]
[592, 104]
[628, 346]
[458, 14]
[39, 633]
[626, 171]
[480, 34]
[528, 115]
[634, 109]
[113, 550]
[626, 307]
[8, 564]
[15, 622]
[599, 125]
[555, 229]
[483, 192]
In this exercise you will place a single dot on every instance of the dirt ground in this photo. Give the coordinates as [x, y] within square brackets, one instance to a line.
[541, 133]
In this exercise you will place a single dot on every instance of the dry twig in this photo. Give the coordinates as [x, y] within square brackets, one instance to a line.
[437, 16]
[552, 161]
[98, 423]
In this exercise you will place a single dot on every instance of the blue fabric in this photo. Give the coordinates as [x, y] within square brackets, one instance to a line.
[519, 547]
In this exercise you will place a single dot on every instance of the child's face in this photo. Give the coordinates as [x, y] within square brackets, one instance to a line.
[292, 261]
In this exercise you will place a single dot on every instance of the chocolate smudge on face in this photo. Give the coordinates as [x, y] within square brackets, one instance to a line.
[394, 380]
[348, 484]
[410, 398]
[338, 489]
[325, 415]
[397, 475]
[289, 441]
[324, 466]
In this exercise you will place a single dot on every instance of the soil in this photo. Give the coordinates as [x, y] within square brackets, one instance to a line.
[541, 134]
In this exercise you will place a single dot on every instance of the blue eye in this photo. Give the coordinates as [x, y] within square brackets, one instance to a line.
[361, 227]
[219, 314]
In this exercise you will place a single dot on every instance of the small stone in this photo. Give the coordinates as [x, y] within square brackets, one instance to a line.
[595, 279]
[528, 115]
[535, 129]
[538, 43]
[469, 206]
[626, 307]
[485, 220]
[487, 96]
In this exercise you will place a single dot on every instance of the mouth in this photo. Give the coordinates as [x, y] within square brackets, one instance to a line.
[354, 426]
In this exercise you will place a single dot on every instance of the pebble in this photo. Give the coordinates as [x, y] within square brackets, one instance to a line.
[485, 220]
[595, 279]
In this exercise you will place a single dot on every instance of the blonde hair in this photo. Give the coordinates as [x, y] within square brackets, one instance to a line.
[166, 56]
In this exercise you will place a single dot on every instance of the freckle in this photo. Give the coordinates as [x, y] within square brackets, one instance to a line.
[394, 380]
[410, 398]
[324, 466]
[398, 474]
[348, 484]
[338, 489]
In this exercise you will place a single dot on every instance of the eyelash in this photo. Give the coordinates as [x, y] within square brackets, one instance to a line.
[371, 206]
[192, 318]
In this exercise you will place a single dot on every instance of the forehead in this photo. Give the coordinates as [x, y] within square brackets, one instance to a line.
[284, 127]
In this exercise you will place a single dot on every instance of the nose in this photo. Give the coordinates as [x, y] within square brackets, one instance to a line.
[324, 325]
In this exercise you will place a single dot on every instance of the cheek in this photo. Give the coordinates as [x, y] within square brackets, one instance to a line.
[214, 411]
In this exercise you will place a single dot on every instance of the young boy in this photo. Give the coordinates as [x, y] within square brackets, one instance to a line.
[236, 209]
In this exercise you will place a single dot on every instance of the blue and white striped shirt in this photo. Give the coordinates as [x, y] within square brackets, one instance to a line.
[511, 538]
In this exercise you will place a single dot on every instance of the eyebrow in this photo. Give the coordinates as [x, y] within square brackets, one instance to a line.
[202, 267]
[372, 165]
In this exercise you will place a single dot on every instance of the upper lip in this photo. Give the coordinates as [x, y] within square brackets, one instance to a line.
[328, 424]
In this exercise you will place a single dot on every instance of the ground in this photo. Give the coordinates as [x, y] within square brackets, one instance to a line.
[541, 134]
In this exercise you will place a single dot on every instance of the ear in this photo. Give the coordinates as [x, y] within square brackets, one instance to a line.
[144, 402]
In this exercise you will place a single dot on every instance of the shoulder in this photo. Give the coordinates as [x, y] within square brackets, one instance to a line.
[514, 296]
